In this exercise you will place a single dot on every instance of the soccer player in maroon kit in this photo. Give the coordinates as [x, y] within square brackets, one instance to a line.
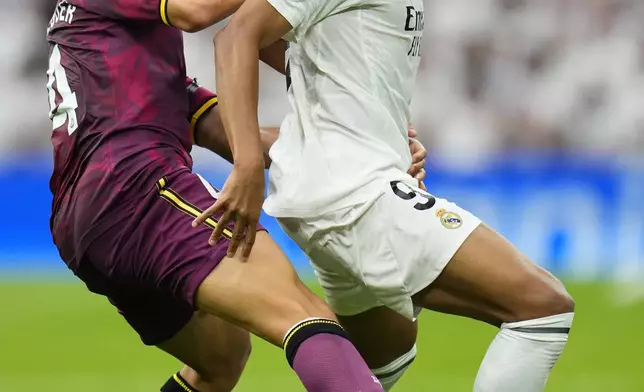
[125, 117]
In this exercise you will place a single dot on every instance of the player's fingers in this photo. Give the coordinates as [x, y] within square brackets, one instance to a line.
[422, 186]
[219, 203]
[251, 231]
[419, 155]
[418, 151]
[419, 158]
[415, 169]
[420, 164]
[238, 236]
[219, 228]
[412, 132]
[420, 176]
[412, 171]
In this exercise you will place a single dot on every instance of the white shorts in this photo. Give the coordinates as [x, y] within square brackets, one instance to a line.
[396, 248]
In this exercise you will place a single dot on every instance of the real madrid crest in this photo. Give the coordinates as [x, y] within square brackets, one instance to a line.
[449, 220]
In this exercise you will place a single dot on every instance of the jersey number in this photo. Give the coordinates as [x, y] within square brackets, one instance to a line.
[65, 112]
[406, 192]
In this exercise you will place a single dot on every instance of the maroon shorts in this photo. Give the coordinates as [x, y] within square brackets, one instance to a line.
[148, 259]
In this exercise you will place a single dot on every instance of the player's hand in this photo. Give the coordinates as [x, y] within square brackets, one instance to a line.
[240, 201]
[418, 155]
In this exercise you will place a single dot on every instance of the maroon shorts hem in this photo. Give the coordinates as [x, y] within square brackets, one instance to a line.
[167, 332]
[197, 277]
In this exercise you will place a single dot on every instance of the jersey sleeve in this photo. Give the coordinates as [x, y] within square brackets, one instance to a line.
[303, 14]
[139, 10]
[200, 101]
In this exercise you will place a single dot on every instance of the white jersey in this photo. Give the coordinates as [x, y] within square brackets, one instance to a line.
[351, 71]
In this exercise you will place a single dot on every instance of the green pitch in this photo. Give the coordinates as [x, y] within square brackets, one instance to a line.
[58, 337]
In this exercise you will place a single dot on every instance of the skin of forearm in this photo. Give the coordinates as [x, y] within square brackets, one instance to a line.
[237, 66]
[195, 15]
[211, 136]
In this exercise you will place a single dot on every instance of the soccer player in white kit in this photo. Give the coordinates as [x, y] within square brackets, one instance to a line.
[381, 247]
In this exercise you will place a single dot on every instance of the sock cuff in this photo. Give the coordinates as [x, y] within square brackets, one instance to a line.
[563, 320]
[304, 330]
[397, 365]
[546, 329]
[176, 383]
[183, 383]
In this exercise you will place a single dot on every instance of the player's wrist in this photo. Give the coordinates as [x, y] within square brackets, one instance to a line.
[250, 162]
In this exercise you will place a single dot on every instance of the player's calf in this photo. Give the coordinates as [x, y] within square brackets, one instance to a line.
[220, 378]
[214, 351]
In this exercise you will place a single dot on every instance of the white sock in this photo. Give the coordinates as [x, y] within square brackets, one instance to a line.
[522, 355]
[390, 374]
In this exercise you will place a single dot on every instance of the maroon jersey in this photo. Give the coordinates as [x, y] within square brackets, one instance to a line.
[121, 105]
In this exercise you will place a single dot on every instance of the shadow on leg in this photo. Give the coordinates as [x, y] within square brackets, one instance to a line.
[385, 339]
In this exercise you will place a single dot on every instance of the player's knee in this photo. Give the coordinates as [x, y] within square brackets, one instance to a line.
[558, 301]
[307, 305]
[318, 307]
[546, 297]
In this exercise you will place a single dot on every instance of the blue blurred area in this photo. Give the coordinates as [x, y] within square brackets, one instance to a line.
[580, 216]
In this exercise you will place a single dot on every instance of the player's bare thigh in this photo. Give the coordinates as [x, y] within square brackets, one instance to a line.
[261, 294]
[490, 280]
[214, 351]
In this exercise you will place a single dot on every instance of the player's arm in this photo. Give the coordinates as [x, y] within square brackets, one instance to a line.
[196, 15]
[210, 134]
[206, 128]
[187, 15]
[254, 27]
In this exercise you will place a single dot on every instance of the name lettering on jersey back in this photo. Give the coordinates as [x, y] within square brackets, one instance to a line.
[64, 12]
[415, 21]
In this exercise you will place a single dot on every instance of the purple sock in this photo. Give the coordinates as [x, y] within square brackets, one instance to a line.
[330, 363]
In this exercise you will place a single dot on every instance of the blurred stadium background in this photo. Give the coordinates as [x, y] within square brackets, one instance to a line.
[533, 111]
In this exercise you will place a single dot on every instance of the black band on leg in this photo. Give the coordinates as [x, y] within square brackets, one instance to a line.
[176, 383]
[403, 366]
[560, 330]
[306, 329]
